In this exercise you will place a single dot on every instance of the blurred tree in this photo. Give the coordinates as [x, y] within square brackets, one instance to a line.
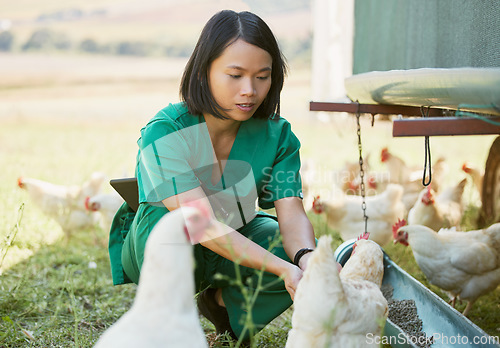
[273, 7]
[132, 48]
[45, 39]
[6, 41]
[179, 50]
[61, 41]
[39, 39]
[297, 49]
[89, 45]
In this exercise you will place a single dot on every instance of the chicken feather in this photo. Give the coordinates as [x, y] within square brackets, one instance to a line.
[164, 312]
[345, 215]
[64, 204]
[464, 264]
[339, 310]
[442, 211]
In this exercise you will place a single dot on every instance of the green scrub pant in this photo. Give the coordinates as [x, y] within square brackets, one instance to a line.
[272, 299]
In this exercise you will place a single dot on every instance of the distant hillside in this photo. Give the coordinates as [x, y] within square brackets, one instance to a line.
[146, 18]
[30, 9]
[137, 27]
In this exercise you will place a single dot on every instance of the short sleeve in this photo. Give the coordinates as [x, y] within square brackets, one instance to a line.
[165, 160]
[283, 179]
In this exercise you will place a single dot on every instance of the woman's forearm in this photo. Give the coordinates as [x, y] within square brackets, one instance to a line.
[297, 233]
[229, 243]
[295, 228]
[235, 247]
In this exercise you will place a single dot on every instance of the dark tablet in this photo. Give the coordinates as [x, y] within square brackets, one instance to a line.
[127, 188]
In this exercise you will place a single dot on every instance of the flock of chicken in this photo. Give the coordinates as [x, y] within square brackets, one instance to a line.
[394, 195]
[339, 309]
[74, 207]
[331, 308]
[464, 264]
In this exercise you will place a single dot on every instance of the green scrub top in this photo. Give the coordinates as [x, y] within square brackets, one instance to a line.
[175, 155]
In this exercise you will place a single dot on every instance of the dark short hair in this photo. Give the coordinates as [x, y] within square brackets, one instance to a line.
[224, 28]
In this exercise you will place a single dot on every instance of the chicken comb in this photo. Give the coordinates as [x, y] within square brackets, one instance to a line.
[428, 194]
[87, 203]
[365, 235]
[20, 182]
[384, 154]
[372, 182]
[317, 206]
[400, 223]
[352, 186]
[465, 167]
[200, 206]
[362, 236]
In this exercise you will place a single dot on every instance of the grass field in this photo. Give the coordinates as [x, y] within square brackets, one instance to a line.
[63, 129]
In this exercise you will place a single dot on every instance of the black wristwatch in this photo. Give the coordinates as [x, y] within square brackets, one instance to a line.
[299, 254]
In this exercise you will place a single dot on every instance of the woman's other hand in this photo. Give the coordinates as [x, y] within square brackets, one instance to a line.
[292, 276]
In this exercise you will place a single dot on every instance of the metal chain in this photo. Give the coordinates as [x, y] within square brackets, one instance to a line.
[361, 170]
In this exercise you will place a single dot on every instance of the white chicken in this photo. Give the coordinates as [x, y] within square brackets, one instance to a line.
[164, 313]
[308, 175]
[399, 172]
[332, 310]
[349, 176]
[440, 170]
[477, 175]
[92, 186]
[345, 215]
[65, 204]
[465, 264]
[106, 205]
[411, 178]
[438, 211]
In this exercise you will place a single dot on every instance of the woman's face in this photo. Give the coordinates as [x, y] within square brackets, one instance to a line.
[240, 79]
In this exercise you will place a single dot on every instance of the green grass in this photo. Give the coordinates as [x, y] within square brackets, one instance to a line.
[56, 299]
[50, 297]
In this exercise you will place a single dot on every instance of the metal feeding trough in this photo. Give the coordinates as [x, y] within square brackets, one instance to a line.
[445, 325]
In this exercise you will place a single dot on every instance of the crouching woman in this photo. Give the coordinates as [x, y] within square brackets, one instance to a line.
[225, 145]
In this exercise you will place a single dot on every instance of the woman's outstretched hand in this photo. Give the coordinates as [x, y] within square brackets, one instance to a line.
[292, 276]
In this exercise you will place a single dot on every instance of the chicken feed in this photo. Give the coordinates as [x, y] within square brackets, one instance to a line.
[404, 314]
